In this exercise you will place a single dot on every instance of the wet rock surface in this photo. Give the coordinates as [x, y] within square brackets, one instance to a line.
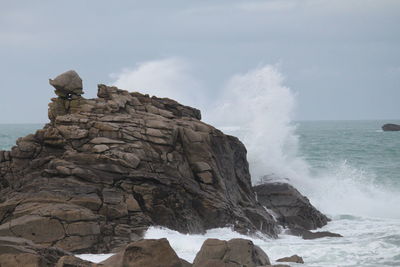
[276, 265]
[293, 258]
[390, 127]
[292, 209]
[308, 235]
[104, 169]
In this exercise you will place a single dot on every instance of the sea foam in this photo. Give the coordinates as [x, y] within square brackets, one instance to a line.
[258, 108]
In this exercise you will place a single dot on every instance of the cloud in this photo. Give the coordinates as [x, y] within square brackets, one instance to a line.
[274, 5]
[17, 38]
[169, 77]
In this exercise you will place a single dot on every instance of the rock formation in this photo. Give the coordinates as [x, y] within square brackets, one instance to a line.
[72, 261]
[233, 253]
[18, 252]
[293, 258]
[391, 127]
[148, 252]
[104, 169]
[308, 235]
[292, 209]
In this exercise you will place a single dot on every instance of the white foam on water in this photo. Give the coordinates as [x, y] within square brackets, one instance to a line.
[187, 246]
[343, 189]
[366, 242]
[258, 108]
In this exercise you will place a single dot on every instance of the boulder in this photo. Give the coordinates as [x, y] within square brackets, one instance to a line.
[306, 234]
[185, 263]
[391, 127]
[67, 84]
[72, 261]
[22, 259]
[17, 252]
[235, 252]
[146, 252]
[293, 258]
[103, 170]
[291, 208]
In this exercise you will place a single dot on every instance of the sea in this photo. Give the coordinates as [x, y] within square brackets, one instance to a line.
[350, 170]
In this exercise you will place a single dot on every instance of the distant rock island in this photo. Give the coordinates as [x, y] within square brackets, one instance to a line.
[390, 127]
[103, 170]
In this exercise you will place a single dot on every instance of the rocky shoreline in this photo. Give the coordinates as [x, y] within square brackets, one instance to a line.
[103, 170]
[146, 252]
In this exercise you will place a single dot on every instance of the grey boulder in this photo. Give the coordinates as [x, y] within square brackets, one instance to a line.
[67, 83]
[390, 127]
[235, 252]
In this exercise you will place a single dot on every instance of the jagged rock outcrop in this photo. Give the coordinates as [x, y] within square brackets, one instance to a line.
[104, 169]
[292, 209]
[390, 127]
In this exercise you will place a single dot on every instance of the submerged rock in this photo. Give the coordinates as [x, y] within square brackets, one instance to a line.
[293, 258]
[104, 169]
[276, 265]
[292, 209]
[305, 234]
[391, 127]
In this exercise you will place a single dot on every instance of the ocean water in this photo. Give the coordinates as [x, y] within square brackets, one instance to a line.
[9, 133]
[351, 164]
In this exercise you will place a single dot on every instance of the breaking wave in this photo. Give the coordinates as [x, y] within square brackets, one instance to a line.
[258, 108]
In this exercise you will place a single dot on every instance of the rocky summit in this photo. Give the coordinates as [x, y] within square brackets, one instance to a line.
[103, 170]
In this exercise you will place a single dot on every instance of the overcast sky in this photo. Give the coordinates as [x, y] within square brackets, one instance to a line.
[341, 58]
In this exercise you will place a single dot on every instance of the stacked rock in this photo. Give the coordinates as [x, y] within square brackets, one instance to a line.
[68, 87]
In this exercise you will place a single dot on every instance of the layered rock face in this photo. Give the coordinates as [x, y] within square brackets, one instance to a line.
[105, 169]
[18, 252]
